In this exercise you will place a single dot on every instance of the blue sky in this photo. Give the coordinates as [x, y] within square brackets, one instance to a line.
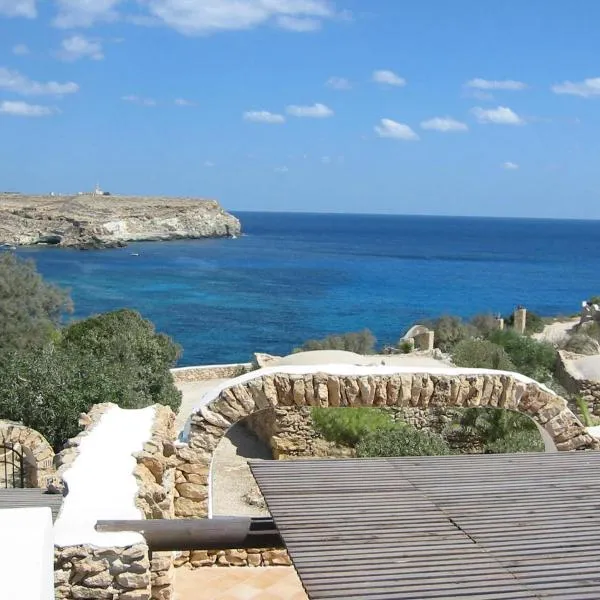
[430, 107]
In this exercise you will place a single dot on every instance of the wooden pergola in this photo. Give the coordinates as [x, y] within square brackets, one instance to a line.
[477, 527]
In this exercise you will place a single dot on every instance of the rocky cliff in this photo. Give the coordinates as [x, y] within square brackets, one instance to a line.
[88, 221]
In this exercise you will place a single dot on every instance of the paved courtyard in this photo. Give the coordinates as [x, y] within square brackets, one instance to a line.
[238, 583]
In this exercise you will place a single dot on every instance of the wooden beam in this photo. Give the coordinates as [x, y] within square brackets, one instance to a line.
[220, 533]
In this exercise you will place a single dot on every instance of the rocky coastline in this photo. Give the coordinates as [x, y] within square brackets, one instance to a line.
[93, 221]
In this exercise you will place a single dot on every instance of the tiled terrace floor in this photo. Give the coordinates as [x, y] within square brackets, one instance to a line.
[238, 583]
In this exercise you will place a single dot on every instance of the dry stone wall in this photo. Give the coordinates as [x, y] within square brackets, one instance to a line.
[251, 557]
[587, 389]
[202, 373]
[38, 455]
[270, 388]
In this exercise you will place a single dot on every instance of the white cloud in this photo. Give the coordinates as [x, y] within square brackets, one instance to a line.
[444, 124]
[326, 160]
[297, 24]
[23, 109]
[489, 84]
[316, 111]
[281, 170]
[394, 130]
[85, 13]
[510, 166]
[18, 8]
[208, 164]
[263, 116]
[20, 50]
[184, 102]
[586, 88]
[78, 46]
[388, 78]
[501, 115]
[13, 81]
[210, 16]
[139, 100]
[338, 83]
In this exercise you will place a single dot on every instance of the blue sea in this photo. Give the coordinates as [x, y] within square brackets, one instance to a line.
[293, 277]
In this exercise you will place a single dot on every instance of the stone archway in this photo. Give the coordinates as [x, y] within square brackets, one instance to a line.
[345, 385]
[37, 453]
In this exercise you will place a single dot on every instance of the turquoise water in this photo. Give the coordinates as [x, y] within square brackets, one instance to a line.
[297, 276]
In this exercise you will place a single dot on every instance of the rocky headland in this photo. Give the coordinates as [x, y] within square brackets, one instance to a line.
[94, 221]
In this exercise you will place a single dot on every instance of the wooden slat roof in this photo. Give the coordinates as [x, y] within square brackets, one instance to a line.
[30, 498]
[480, 527]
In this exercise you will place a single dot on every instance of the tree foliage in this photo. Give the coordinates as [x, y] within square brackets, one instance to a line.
[48, 376]
[449, 331]
[30, 308]
[360, 342]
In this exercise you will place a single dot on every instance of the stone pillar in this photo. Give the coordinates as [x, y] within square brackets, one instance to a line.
[520, 319]
[424, 341]
[499, 323]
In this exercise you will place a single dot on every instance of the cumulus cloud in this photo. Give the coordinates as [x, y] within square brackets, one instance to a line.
[263, 116]
[140, 100]
[316, 111]
[85, 13]
[444, 124]
[78, 46]
[501, 115]
[388, 78]
[23, 109]
[338, 83]
[20, 49]
[491, 84]
[281, 170]
[510, 166]
[587, 88]
[18, 8]
[13, 81]
[394, 130]
[210, 16]
[184, 102]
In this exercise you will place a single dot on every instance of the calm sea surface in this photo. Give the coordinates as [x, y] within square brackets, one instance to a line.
[292, 277]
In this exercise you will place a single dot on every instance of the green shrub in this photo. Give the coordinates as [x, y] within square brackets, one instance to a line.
[581, 343]
[481, 354]
[406, 347]
[495, 430]
[594, 300]
[584, 411]
[406, 441]
[348, 425]
[530, 357]
[516, 441]
[361, 342]
[484, 324]
[449, 331]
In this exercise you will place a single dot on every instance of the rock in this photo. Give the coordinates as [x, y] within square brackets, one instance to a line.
[134, 580]
[276, 557]
[133, 553]
[185, 507]
[262, 360]
[84, 593]
[90, 221]
[101, 580]
[193, 491]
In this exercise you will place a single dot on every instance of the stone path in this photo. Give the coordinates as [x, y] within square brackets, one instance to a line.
[556, 332]
[238, 583]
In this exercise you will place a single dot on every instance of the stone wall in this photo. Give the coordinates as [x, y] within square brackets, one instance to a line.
[371, 386]
[252, 557]
[37, 454]
[588, 390]
[204, 372]
[104, 573]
